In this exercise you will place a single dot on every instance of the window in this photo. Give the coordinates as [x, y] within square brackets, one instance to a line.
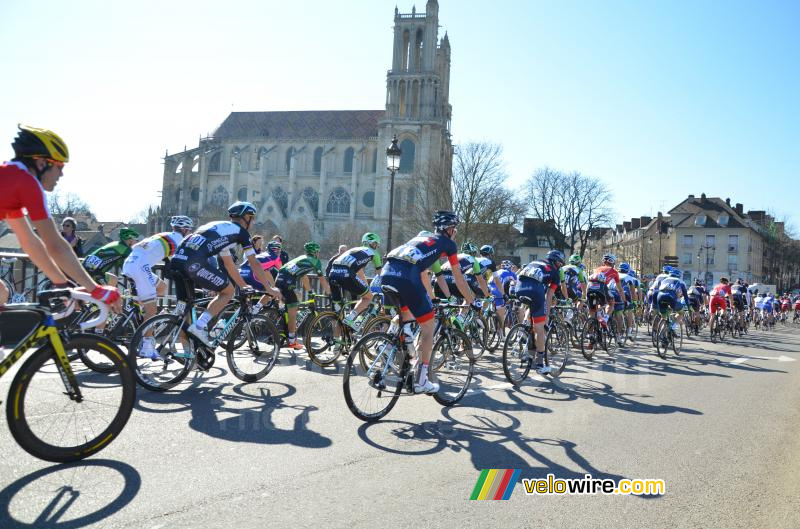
[242, 194]
[317, 161]
[687, 277]
[533, 257]
[312, 197]
[339, 202]
[368, 199]
[711, 241]
[195, 194]
[411, 198]
[281, 197]
[709, 279]
[688, 241]
[686, 259]
[289, 155]
[348, 160]
[542, 242]
[700, 220]
[375, 161]
[723, 219]
[407, 158]
[733, 243]
[219, 197]
[733, 261]
[214, 164]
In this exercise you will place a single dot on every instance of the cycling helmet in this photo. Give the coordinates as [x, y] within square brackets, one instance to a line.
[311, 247]
[574, 259]
[506, 264]
[625, 268]
[274, 246]
[425, 233]
[697, 282]
[487, 249]
[555, 257]
[181, 221]
[675, 273]
[666, 269]
[126, 234]
[239, 209]
[369, 237]
[444, 219]
[32, 142]
[469, 248]
[610, 258]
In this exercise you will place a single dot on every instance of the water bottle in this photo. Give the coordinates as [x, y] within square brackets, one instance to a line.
[409, 340]
[216, 332]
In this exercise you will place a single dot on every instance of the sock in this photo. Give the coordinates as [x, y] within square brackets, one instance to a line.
[352, 315]
[539, 358]
[257, 307]
[423, 374]
[409, 332]
[202, 321]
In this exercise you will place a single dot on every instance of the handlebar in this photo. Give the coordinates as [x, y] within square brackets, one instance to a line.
[46, 295]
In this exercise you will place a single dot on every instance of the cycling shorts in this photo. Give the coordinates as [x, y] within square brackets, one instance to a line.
[144, 280]
[618, 303]
[533, 293]
[716, 304]
[694, 302]
[250, 278]
[666, 300]
[404, 279]
[203, 274]
[349, 283]
[596, 297]
[738, 302]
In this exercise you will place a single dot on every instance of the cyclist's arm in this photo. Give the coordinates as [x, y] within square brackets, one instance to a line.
[38, 252]
[264, 277]
[498, 283]
[483, 285]
[426, 282]
[230, 266]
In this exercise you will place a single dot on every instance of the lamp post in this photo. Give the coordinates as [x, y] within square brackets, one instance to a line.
[393, 154]
[706, 247]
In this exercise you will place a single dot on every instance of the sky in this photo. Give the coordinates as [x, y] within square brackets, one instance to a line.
[659, 100]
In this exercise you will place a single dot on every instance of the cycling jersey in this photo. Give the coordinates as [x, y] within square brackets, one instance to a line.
[573, 276]
[629, 285]
[717, 295]
[22, 193]
[466, 263]
[145, 254]
[488, 267]
[534, 279]
[506, 277]
[355, 259]
[104, 258]
[270, 262]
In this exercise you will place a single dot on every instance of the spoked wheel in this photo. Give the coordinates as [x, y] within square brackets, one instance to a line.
[493, 337]
[167, 371]
[50, 425]
[663, 343]
[478, 334]
[518, 353]
[376, 323]
[557, 347]
[324, 338]
[452, 364]
[373, 376]
[676, 339]
[611, 342]
[253, 348]
[591, 338]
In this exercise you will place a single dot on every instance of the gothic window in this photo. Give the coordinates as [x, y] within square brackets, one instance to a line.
[317, 161]
[401, 109]
[339, 201]
[368, 199]
[262, 154]
[375, 160]
[281, 197]
[242, 194]
[177, 195]
[244, 161]
[195, 163]
[289, 154]
[179, 169]
[214, 164]
[407, 158]
[195, 194]
[312, 197]
[406, 49]
[219, 197]
[418, 51]
[348, 160]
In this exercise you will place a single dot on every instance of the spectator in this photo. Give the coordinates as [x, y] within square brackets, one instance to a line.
[258, 243]
[284, 255]
[68, 227]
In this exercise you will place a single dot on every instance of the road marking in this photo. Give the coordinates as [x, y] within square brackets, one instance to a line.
[781, 358]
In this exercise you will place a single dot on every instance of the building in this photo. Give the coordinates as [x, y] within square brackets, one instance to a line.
[537, 238]
[321, 174]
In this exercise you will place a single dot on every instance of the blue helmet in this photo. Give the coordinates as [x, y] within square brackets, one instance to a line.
[625, 268]
[556, 257]
[675, 273]
[666, 269]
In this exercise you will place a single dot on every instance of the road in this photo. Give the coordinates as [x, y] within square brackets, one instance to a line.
[719, 425]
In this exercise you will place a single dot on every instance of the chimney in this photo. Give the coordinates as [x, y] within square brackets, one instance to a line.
[728, 201]
[703, 197]
[646, 221]
[619, 228]
[691, 196]
[739, 209]
[626, 225]
[636, 224]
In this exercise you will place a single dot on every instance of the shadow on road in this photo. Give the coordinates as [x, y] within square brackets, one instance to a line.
[69, 496]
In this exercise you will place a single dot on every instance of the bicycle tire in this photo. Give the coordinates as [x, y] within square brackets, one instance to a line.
[121, 333]
[25, 383]
[493, 333]
[557, 347]
[662, 339]
[358, 372]
[244, 348]
[452, 364]
[320, 338]
[676, 340]
[166, 372]
[517, 356]
[376, 323]
[478, 334]
[591, 337]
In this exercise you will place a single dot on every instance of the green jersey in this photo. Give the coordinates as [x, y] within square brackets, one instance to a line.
[573, 276]
[104, 258]
[297, 268]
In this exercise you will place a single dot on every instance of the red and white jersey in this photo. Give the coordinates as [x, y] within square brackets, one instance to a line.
[720, 291]
[21, 194]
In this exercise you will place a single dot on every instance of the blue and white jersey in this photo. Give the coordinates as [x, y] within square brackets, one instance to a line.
[654, 286]
[629, 283]
[672, 286]
[504, 276]
[759, 301]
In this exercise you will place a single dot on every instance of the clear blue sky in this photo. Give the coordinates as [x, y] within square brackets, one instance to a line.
[658, 99]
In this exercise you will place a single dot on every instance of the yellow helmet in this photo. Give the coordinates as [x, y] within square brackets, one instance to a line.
[32, 142]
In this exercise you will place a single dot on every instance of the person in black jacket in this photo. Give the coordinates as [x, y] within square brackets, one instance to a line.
[284, 255]
[68, 227]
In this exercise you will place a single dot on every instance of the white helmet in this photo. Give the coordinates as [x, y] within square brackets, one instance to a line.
[181, 221]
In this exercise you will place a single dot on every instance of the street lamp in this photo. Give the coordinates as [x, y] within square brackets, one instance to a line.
[393, 154]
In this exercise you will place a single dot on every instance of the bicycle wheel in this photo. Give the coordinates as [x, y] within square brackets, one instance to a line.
[493, 337]
[557, 347]
[49, 425]
[676, 339]
[634, 331]
[119, 332]
[518, 352]
[591, 338]
[376, 323]
[372, 387]
[662, 339]
[478, 334]
[167, 371]
[253, 348]
[452, 364]
[324, 338]
[611, 342]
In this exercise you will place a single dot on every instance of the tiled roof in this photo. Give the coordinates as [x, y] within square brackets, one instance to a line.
[302, 124]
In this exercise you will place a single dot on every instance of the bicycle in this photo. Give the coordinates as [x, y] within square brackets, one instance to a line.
[519, 348]
[252, 347]
[598, 334]
[669, 335]
[98, 405]
[379, 368]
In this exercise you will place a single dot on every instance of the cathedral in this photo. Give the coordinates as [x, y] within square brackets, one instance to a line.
[322, 175]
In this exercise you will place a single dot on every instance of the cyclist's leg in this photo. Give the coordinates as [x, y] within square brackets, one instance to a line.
[4, 293]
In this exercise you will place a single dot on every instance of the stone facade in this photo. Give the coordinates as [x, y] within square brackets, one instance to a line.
[321, 174]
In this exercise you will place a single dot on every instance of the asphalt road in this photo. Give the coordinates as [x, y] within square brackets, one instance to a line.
[719, 425]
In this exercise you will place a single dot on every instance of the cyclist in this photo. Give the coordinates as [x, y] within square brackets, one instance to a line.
[718, 296]
[347, 273]
[286, 281]
[538, 281]
[615, 305]
[218, 238]
[471, 270]
[99, 262]
[698, 297]
[630, 288]
[670, 289]
[270, 261]
[138, 266]
[506, 278]
[38, 163]
[405, 275]
[574, 278]
[738, 294]
[488, 266]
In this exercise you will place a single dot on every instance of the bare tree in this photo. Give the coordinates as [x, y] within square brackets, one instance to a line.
[68, 204]
[143, 215]
[575, 202]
